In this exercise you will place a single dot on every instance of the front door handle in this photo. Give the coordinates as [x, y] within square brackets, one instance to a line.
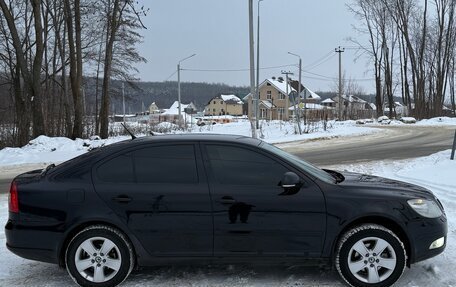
[122, 199]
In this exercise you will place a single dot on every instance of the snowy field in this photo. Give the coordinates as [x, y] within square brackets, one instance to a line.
[435, 172]
[46, 150]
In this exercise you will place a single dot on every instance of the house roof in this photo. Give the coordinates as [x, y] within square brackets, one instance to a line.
[246, 98]
[352, 99]
[231, 99]
[310, 94]
[174, 109]
[267, 104]
[281, 86]
[329, 101]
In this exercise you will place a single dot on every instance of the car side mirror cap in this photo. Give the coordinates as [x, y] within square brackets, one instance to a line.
[289, 179]
[291, 183]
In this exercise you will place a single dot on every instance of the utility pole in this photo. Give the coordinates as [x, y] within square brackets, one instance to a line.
[257, 94]
[123, 101]
[287, 97]
[179, 88]
[340, 51]
[299, 95]
[454, 147]
[252, 66]
[179, 94]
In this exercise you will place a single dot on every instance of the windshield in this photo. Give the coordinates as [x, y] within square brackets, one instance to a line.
[305, 166]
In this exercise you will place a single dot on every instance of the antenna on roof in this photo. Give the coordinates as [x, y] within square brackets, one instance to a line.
[128, 131]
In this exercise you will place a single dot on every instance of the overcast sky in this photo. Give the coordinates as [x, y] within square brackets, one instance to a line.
[217, 31]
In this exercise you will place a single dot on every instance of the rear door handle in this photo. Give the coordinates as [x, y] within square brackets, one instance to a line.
[122, 199]
[227, 200]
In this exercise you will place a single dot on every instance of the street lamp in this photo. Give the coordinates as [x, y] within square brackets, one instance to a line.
[299, 91]
[179, 87]
[257, 92]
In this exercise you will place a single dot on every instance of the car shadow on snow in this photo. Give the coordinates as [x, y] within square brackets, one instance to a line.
[234, 275]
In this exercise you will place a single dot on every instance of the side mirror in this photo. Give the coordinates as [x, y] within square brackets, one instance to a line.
[291, 183]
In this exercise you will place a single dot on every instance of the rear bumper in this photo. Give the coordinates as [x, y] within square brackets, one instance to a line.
[42, 255]
[32, 243]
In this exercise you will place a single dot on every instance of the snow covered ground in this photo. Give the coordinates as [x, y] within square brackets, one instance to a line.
[438, 121]
[44, 150]
[435, 172]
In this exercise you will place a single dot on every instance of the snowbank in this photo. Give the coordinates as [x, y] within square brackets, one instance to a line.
[45, 149]
[439, 121]
[279, 132]
[53, 150]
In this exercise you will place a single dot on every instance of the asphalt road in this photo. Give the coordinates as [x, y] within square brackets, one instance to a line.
[395, 142]
[392, 143]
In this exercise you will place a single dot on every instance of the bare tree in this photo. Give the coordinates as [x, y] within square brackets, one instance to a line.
[73, 23]
[30, 74]
[367, 11]
[122, 19]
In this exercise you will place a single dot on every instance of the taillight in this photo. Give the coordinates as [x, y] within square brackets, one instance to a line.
[13, 202]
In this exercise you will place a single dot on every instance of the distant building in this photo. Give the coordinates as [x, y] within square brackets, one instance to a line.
[275, 104]
[172, 114]
[353, 107]
[273, 99]
[153, 109]
[328, 103]
[224, 105]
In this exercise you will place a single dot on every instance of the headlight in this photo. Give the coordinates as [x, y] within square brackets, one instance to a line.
[426, 208]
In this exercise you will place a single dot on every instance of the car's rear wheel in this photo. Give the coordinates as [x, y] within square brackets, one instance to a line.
[99, 256]
[370, 255]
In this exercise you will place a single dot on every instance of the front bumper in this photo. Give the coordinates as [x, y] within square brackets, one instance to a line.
[422, 234]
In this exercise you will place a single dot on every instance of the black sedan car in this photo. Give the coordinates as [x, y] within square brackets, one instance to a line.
[166, 199]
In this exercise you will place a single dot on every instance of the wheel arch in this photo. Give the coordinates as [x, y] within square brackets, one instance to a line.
[380, 220]
[81, 226]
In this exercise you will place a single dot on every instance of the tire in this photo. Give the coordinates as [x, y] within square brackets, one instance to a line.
[385, 261]
[99, 256]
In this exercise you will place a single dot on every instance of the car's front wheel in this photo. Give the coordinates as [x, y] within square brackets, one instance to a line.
[99, 256]
[370, 255]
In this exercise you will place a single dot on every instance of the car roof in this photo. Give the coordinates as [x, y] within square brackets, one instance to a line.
[198, 137]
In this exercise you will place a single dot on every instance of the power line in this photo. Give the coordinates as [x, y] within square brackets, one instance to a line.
[315, 76]
[330, 79]
[170, 76]
[321, 61]
[236, 70]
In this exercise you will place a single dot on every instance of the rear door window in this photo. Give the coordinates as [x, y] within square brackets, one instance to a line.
[166, 164]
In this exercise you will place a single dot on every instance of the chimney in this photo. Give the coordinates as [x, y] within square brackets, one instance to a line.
[280, 79]
[274, 78]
